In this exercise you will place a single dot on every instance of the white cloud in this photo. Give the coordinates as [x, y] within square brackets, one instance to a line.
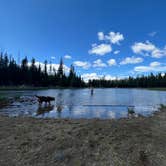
[53, 57]
[111, 62]
[91, 76]
[140, 48]
[100, 49]
[158, 53]
[112, 37]
[99, 63]
[100, 35]
[148, 49]
[155, 64]
[163, 74]
[109, 77]
[131, 60]
[67, 57]
[153, 67]
[116, 52]
[82, 64]
[152, 34]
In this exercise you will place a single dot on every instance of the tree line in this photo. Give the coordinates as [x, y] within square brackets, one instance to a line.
[13, 74]
[158, 80]
[29, 74]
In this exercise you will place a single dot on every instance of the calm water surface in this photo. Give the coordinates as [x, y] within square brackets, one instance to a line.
[79, 103]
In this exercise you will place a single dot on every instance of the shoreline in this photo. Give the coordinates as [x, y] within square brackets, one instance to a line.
[41, 142]
[17, 88]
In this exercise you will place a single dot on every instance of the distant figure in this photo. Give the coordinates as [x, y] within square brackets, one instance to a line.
[92, 91]
[46, 99]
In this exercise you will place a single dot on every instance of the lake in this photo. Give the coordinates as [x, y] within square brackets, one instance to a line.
[111, 103]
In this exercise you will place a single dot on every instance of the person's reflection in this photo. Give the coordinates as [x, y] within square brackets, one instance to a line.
[42, 110]
[71, 102]
[59, 104]
[59, 110]
[92, 91]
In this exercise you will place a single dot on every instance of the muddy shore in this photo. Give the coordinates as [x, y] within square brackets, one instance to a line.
[47, 142]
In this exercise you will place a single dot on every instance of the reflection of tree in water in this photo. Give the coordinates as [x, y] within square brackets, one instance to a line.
[42, 110]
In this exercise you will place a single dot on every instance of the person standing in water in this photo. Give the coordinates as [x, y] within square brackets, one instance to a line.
[92, 91]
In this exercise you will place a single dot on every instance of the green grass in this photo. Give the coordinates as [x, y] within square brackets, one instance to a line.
[2, 98]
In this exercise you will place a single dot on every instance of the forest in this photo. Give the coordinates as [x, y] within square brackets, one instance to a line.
[13, 74]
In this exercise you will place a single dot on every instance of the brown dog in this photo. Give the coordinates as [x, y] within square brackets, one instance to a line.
[46, 99]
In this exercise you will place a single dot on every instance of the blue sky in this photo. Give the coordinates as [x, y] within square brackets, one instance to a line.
[111, 38]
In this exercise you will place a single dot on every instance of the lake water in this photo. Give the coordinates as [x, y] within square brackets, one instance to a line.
[79, 103]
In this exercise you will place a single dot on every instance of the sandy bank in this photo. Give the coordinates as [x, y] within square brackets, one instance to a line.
[41, 142]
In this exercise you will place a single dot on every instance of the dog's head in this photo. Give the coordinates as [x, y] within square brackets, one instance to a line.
[51, 98]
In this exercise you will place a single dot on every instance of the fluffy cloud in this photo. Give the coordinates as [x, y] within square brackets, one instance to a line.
[82, 64]
[153, 67]
[91, 76]
[116, 52]
[101, 36]
[100, 49]
[111, 62]
[112, 37]
[131, 60]
[141, 48]
[108, 40]
[158, 53]
[67, 57]
[148, 49]
[155, 64]
[99, 63]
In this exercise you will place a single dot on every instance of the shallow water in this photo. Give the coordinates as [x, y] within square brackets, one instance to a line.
[79, 103]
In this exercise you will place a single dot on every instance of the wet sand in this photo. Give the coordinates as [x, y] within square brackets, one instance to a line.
[47, 142]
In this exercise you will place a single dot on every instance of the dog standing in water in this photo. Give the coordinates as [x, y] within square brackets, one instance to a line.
[46, 99]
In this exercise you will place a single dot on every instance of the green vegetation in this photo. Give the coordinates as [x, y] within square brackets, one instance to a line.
[29, 76]
[13, 74]
[150, 81]
[162, 106]
[160, 89]
[2, 98]
[3, 101]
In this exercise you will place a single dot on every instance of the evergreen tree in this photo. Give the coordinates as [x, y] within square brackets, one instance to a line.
[12, 73]
[60, 69]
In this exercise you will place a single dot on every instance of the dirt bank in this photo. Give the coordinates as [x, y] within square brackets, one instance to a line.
[46, 142]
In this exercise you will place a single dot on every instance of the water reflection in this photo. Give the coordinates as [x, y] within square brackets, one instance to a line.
[59, 104]
[79, 103]
[44, 109]
[71, 102]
